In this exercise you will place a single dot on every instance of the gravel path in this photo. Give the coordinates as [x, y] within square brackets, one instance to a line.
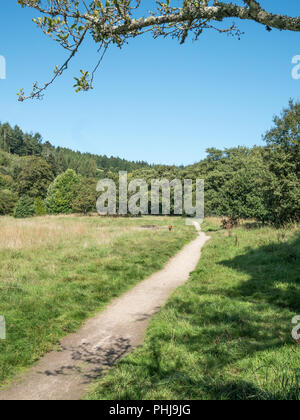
[104, 339]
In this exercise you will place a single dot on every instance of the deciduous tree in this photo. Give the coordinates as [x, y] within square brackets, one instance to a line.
[35, 177]
[282, 195]
[85, 196]
[61, 192]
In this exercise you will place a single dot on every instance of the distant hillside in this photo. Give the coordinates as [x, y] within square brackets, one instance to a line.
[15, 142]
[258, 182]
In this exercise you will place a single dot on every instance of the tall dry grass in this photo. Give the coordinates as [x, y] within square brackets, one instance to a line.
[44, 231]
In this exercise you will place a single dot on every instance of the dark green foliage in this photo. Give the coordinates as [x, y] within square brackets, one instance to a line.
[219, 169]
[8, 200]
[62, 192]
[24, 208]
[242, 196]
[6, 182]
[282, 194]
[283, 197]
[15, 141]
[35, 177]
[85, 196]
[39, 207]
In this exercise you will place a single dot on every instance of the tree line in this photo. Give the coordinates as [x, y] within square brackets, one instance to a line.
[259, 182]
[14, 141]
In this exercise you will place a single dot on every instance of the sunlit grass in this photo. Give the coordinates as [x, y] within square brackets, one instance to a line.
[225, 334]
[55, 272]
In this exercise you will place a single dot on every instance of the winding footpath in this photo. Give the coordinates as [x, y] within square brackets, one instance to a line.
[106, 338]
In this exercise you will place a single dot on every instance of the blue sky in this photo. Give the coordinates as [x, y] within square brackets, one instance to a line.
[155, 100]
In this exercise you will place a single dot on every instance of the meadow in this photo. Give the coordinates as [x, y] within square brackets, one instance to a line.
[225, 334]
[57, 271]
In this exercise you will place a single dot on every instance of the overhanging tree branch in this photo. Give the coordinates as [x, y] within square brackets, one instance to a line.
[116, 21]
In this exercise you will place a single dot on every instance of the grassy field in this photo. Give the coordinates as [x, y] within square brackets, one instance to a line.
[226, 334]
[55, 272]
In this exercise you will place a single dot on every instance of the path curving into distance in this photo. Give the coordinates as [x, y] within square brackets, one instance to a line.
[106, 338]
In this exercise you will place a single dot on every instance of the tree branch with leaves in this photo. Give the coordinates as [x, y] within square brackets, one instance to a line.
[115, 22]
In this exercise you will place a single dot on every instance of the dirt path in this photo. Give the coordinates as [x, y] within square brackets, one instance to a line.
[104, 339]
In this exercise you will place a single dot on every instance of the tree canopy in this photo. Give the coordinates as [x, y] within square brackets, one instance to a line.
[34, 178]
[16, 142]
[109, 22]
[62, 193]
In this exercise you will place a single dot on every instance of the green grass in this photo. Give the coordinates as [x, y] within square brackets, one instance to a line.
[55, 272]
[226, 334]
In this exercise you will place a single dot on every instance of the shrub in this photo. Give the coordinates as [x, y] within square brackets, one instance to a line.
[8, 200]
[39, 207]
[24, 208]
[6, 182]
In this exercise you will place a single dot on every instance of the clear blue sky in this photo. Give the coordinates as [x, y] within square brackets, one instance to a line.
[155, 100]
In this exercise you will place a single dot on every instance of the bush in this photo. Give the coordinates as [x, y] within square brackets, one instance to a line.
[39, 207]
[24, 208]
[8, 200]
[6, 182]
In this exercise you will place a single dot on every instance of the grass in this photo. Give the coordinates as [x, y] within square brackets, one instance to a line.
[55, 272]
[226, 334]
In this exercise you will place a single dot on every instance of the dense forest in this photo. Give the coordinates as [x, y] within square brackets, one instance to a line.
[14, 141]
[260, 182]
